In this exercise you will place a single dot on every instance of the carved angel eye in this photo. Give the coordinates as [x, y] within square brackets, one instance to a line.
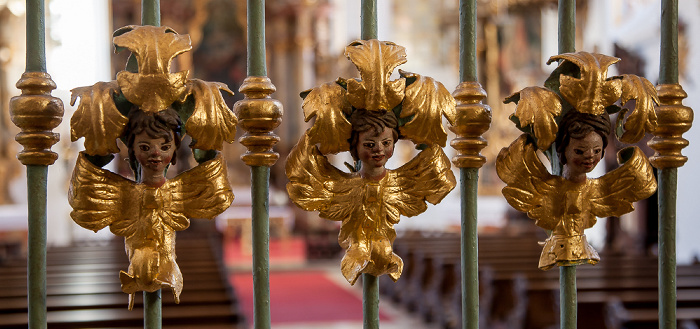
[165, 147]
[144, 148]
[368, 145]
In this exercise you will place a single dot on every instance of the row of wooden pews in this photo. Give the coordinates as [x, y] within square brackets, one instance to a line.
[620, 292]
[83, 289]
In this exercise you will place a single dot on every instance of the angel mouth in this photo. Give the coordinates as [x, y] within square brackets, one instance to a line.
[155, 163]
[378, 158]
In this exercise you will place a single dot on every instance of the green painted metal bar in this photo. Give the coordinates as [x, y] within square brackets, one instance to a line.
[261, 245]
[567, 297]
[667, 247]
[668, 73]
[567, 26]
[370, 301]
[668, 178]
[469, 178]
[150, 12]
[152, 302]
[152, 310]
[467, 40]
[36, 45]
[36, 182]
[567, 274]
[256, 38]
[36, 263]
[370, 283]
[368, 17]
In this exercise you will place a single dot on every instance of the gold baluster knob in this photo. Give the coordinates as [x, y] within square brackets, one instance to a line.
[473, 119]
[674, 119]
[258, 115]
[37, 113]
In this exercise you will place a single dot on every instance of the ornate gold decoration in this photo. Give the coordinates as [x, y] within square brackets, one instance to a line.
[674, 119]
[568, 208]
[148, 216]
[571, 115]
[37, 113]
[146, 109]
[259, 115]
[370, 199]
[472, 120]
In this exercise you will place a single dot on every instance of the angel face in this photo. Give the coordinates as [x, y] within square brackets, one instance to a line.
[374, 150]
[154, 155]
[582, 155]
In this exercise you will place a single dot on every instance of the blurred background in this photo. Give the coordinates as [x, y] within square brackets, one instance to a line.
[305, 45]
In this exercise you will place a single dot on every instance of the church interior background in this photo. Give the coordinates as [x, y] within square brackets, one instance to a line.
[305, 42]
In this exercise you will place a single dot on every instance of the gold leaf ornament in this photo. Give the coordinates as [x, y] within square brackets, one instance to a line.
[375, 60]
[426, 101]
[153, 87]
[331, 129]
[97, 118]
[537, 107]
[643, 117]
[212, 122]
[591, 92]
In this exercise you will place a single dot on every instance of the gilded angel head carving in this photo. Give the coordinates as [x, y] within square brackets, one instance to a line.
[569, 121]
[366, 117]
[150, 109]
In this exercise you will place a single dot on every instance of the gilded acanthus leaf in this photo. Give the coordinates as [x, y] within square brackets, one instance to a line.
[97, 118]
[154, 47]
[212, 122]
[153, 87]
[329, 105]
[426, 101]
[375, 60]
[591, 92]
[643, 117]
[537, 106]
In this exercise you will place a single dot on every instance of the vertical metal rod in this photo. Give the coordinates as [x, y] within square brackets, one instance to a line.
[36, 263]
[467, 40]
[370, 301]
[567, 297]
[256, 38]
[567, 26]
[368, 18]
[668, 73]
[370, 284]
[152, 310]
[36, 182]
[470, 251]
[567, 274]
[667, 247]
[150, 12]
[668, 179]
[261, 246]
[152, 303]
[36, 46]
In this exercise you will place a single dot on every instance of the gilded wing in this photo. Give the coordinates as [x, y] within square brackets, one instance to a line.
[99, 197]
[424, 105]
[530, 187]
[315, 184]
[614, 193]
[201, 192]
[427, 177]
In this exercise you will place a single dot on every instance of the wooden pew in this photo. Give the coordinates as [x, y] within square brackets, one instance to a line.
[83, 288]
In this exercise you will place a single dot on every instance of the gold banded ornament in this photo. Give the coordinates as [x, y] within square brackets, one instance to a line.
[472, 120]
[258, 115]
[37, 113]
[674, 119]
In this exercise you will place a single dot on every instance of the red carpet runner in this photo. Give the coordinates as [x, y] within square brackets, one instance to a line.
[302, 297]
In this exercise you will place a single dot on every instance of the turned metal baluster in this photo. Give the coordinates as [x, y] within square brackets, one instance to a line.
[258, 115]
[36, 113]
[674, 119]
[473, 119]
